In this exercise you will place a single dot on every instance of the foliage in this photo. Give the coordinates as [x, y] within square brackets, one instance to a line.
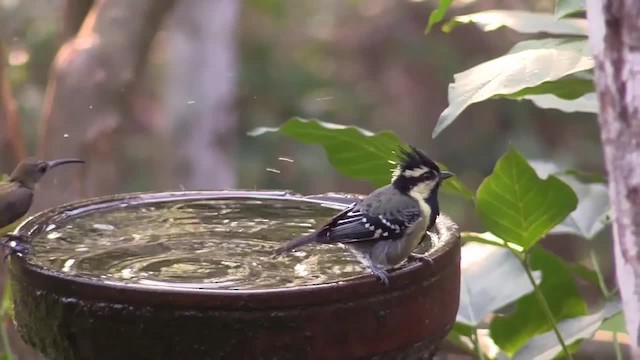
[520, 203]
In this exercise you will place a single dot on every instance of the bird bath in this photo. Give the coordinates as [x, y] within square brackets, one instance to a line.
[189, 275]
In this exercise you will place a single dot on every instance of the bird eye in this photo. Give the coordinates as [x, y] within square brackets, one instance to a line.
[42, 168]
[429, 175]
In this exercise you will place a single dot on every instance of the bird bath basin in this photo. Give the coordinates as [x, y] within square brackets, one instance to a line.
[189, 275]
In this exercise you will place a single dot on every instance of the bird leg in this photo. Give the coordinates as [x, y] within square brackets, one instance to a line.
[424, 258]
[16, 244]
[382, 275]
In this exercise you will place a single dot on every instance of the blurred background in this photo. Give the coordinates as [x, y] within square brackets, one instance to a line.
[159, 94]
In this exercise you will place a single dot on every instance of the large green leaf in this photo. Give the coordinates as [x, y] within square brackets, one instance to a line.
[590, 216]
[516, 205]
[568, 7]
[511, 332]
[485, 270]
[521, 21]
[438, 14]
[509, 74]
[587, 103]
[546, 346]
[353, 151]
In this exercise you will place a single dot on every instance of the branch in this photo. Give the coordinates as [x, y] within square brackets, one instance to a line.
[614, 35]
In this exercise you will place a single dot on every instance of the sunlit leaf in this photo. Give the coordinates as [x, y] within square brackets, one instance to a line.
[568, 7]
[438, 14]
[616, 323]
[587, 103]
[521, 21]
[546, 346]
[577, 45]
[485, 271]
[511, 332]
[509, 74]
[516, 205]
[353, 151]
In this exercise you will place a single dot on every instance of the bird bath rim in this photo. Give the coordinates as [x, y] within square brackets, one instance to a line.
[304, 295]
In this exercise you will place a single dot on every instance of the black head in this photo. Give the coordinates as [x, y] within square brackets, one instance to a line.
[30, 171]
[417, 173]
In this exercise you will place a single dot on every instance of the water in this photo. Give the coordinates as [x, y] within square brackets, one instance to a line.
[221, 243]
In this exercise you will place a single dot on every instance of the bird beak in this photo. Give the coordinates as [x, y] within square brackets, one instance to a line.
[446, 174]
[55, 163]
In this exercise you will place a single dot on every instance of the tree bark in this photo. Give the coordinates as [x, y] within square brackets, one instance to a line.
[86, 105]
[11, 145]
[200, 92]
[614, 35]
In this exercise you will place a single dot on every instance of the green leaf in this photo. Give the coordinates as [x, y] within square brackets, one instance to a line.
[509, 74]
[353, 151]
[6, 307]
[511, 332]
[616, 323]
[565, 88]
[587, 103]
[521, 21]
[589, 218]
[438, 14]
[577, 45]
[568, 7]
[516, 205]
[585, 273]
[460, 336]
[485, 270]
[489, 239]
[546, 346]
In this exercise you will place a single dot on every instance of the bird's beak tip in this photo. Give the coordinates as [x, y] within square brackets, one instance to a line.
[446, 174]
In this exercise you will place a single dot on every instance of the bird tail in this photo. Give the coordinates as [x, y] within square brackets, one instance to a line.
[296, 243]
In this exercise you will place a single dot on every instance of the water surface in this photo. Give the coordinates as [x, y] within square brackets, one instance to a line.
[219, 243]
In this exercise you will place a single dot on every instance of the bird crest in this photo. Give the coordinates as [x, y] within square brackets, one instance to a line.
[413, 162]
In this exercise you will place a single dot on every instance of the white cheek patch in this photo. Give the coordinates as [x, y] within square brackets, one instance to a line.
[421, 190]
[416, 172]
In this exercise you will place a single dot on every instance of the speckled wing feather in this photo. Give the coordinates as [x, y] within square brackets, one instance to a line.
[14, 204]
[368, 221]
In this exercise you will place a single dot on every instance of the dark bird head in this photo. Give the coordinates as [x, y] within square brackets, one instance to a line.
[417, 175]
[30, 171]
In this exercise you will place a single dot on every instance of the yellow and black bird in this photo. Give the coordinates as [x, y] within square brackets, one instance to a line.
[16, 195]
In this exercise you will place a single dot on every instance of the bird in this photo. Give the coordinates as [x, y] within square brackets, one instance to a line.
[16, 197]
[383, 228]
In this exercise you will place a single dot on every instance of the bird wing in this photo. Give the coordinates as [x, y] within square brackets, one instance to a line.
[14, 203]
[356, 225]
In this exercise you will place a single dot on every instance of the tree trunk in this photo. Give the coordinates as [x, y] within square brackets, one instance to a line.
[11, 145]
[201, 91]
[614, 35]
[87, 108]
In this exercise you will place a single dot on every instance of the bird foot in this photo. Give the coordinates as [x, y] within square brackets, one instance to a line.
[422, 258]
[382, 275]
[15, 244]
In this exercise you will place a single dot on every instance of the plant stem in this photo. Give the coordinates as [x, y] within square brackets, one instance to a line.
[616, 346]
[5, 339]
[476, 344]
[545, 306]
[596, 268]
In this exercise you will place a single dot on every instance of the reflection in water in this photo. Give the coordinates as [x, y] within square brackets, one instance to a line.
[223, 243]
